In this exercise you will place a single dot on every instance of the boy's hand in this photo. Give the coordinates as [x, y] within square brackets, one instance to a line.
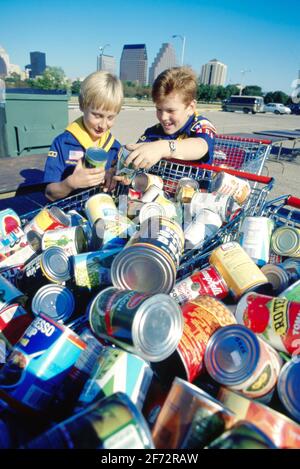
[145, 155]
[123, 180]
[86, 177]
[110, 181]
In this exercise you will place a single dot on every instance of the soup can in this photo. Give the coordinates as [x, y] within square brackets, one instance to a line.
[276, 319]
[237, 358]
[142, 181]
[95, 158]
[292, 293]
[149, 260]
[239, 271]
[89, 271]
[206, 281]
[72, 240]
[277, 277]
[117, 371]
[202, 317]
[100, 206]
[202, 228]
[151, 209]
[48, 219]
[112, 232]
[190, 418]
[54, 301]
[243, 435]
[257, 247]
[288, 386]
[285, 241]
[186, 189]
[9, 221]
[218, 203]
[24, 378]
[227, 184]
[284, 432]
[110, 423]
[147, 325]
[25, 248]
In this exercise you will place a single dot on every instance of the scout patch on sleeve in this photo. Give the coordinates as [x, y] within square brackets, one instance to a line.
[203, 126]
[53, 154]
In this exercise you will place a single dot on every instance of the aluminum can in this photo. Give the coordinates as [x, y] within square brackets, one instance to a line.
[9, 294]
[21, 250]
[186, 189]
[25, 378]
[151, 194]
[117, 371]
[151, 209]
[95, 158]
[110, 423]
[147, 325]
[277, 277]
[255, 235]
[292, 293]
[14, 320]
[48, 219]
[276, 320]
[141, 182]
[218, 203]
[227, 184]
[170, 209]
[288, 386]
[72, 240]
[113, 232]
[237, 358]
[76, 218]
[239, 271]
[100, 206]
[202, 228]
[53, 265]
[202, 317]
[284, 432]
[9, 221]
[149, 260]
[206, 281]
[54, 301]
[190, 418]
[89, 271]
[243, 435]
[285, 241]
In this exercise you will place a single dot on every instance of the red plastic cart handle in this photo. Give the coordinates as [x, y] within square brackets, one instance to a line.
[293, 201]
[220, 169]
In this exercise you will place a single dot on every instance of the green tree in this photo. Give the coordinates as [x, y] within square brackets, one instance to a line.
[269, 97]
[53, 78]
[280, 97]
[231, 90]
[75, 87]
[252, 90]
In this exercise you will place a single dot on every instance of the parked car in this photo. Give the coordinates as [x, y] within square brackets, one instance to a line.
[277, 108]
[295, 108]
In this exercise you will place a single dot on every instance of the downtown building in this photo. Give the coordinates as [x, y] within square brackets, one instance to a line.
[106, 63]
[134, 63]
[166, 58]
[213, 73]
[37, 64]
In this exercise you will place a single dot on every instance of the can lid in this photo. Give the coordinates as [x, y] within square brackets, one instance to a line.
[285, 240]
[96, 155]
[288, 386]
[55, 301]
[157, 327]
[143, 269]
[151, 209]
[187, 182]
[56, 264]
[60, 215]
[232, 354]
[277, 276]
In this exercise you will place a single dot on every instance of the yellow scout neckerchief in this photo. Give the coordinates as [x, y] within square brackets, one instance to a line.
[77, 129]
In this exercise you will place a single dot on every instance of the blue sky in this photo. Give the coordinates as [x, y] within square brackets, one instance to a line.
[261, 36]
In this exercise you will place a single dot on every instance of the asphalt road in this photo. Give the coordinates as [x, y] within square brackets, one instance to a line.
[132, 121]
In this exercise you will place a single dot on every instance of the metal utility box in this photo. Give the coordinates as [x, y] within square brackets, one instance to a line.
[30, 120]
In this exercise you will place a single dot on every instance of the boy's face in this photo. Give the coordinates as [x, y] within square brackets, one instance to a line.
[173, 113]
[98, 121]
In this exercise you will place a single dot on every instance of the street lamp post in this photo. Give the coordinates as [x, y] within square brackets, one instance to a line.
[183, 45]
[243, 73]
[101, 48]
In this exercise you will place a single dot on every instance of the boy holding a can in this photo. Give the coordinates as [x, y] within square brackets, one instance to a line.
[181, 133]
[100, 100]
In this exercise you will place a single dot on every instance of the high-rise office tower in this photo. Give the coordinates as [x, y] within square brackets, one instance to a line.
[134, 63]
[213, 73]
[4, 62]
[37, 63]
[106, 63]
[165, 58]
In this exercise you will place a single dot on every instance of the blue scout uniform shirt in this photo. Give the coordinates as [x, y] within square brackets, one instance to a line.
[70, 146]
[196, 126]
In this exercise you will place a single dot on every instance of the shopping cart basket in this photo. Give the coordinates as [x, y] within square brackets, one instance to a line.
[284, 210]
[171, 172]
[243, 154]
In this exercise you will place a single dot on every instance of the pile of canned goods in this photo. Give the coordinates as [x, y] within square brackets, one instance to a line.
[101, 346]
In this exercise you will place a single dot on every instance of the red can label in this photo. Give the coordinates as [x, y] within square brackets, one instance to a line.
[204, 282]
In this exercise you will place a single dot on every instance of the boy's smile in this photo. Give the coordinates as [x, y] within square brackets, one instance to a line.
[173, 113]
[98, 121]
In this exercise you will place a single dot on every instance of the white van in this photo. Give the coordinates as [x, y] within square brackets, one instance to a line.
[246, 104]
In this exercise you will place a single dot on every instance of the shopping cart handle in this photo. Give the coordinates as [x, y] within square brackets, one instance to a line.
[293, 201]
[236, 138]
[220, 169]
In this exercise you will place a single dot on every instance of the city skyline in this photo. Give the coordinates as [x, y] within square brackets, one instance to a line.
[243, 35]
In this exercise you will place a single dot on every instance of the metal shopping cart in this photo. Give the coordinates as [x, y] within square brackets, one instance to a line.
[171, 172]
[284, 210]
[243, 154]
